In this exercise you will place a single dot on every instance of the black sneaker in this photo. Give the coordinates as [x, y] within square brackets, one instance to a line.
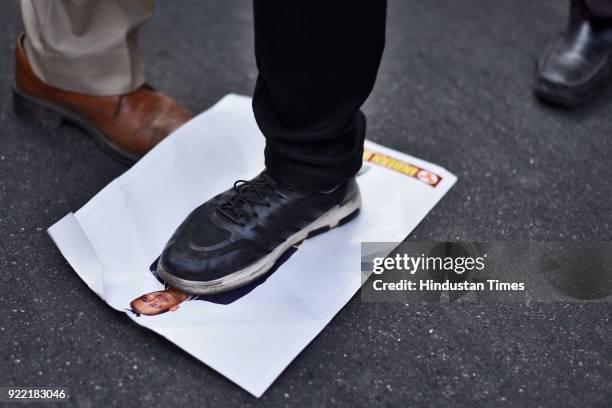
[237, 236]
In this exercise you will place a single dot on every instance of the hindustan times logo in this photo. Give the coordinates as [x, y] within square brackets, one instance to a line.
[412, 264]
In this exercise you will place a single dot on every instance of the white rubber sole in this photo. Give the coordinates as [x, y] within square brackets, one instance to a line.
[329, 220]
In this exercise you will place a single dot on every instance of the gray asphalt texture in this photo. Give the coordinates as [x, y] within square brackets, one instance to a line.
[454, 88]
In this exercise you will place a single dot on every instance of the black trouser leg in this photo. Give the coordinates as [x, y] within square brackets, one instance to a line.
[598, 9]
[317, 62]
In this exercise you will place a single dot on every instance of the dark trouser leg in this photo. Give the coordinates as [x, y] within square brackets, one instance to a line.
[317, 62]
[598, 9]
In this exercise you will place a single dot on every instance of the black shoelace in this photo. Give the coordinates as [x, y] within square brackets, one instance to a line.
[238, 206]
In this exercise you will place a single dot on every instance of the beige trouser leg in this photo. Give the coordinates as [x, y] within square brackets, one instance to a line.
[86, 46]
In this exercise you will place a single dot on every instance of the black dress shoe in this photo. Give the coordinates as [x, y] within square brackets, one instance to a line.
[238, 235]
[576, 67]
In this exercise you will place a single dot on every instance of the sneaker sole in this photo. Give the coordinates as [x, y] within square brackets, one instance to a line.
[337, 216]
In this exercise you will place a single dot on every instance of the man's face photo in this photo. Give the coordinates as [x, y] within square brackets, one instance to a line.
[155, 303]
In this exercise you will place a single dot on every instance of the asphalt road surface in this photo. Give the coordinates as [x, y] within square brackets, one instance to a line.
[454, 88]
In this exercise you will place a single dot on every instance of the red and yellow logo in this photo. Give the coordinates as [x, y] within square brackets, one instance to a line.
[407, 169]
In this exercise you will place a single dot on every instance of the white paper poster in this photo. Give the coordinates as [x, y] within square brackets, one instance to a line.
[252, 334]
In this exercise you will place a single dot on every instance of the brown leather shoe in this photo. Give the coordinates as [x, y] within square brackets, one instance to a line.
[127, 126]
